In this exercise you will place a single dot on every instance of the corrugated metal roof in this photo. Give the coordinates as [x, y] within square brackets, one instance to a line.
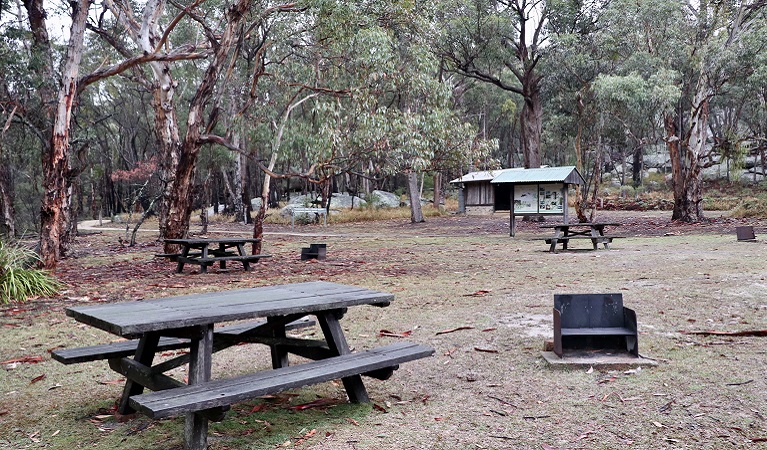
[566, 174]
[484, 175]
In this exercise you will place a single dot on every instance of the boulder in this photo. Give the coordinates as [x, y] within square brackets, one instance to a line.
[346, 201]
[383, 199]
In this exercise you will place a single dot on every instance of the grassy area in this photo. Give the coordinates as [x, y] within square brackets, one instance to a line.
[487, 386]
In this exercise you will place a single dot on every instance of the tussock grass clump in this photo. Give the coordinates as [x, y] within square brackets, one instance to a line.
[751, 207]
[19, 280]
[373, 214]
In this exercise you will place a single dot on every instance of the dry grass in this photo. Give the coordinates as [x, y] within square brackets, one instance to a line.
[707, 392]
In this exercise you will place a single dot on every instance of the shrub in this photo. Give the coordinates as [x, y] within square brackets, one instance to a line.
[19, 280]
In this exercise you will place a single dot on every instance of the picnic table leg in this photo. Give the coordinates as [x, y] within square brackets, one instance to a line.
[200, 358]
[245, 263]
[564, 232]
[222, 251]
[279, 356]
[594, 238]
[145, 351]
[184, 254]
[334, 335]
[599, 232]
[606, 242]
[204, 266]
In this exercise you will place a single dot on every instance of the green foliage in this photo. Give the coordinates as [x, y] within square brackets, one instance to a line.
[18, 279]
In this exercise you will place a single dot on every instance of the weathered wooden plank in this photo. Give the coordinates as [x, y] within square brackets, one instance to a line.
[114, 350]
[569, 238]
[247, 327]
[131, 319]
[598, 331]
[225, 392]
[128, 348]
[214, 259]
[202, 241]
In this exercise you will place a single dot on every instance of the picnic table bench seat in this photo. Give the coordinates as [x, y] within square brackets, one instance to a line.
[229, 257]
[128, 348]
[599, 239]
[211, 252]
[220, 393]
[204, 263]
[594, 321]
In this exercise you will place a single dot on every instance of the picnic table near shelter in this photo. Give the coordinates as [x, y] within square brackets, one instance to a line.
[195, 322]
[208, 251]
[565, 232]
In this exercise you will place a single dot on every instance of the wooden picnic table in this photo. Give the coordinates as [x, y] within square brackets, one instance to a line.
[564, 232]
[191, 321]
[207, 251]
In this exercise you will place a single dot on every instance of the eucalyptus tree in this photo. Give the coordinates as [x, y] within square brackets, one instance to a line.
[407, 120]
[635, 105]
[501, 42]
[678, 55]
[574, 122]
[721, 30]
[374, 105]
[57, 95]
[739, 121]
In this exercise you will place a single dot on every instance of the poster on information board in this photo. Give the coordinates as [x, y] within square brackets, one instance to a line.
[526, 199]
[550, 199]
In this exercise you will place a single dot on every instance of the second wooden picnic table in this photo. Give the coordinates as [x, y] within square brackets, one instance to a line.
[207, 251]
[564, 232]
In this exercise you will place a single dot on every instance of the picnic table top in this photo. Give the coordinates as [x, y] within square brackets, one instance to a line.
[131, 319]
[198, 241]
[579, 224]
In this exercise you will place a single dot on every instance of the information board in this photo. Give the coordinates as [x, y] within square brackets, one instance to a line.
[539, 199]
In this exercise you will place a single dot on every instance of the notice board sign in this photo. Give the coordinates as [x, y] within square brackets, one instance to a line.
[539, 199]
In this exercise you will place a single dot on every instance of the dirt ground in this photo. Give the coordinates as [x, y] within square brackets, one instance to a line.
[481, 298]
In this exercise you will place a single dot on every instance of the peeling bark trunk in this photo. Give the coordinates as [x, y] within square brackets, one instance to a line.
[165, 119]
[677, 165]
[416, 212]
[258, 221]
[56, 157]
[7, 221]
[531, 123]
[7, 212]
[696, 147]
[181, 191]
[580, 201]
[146, 35]
[437, 198]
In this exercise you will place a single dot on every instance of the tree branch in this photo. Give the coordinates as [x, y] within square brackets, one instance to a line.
[183, 53]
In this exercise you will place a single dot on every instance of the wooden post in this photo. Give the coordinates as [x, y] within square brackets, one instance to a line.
[512, 223]
[200, 359]
[564, 206]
